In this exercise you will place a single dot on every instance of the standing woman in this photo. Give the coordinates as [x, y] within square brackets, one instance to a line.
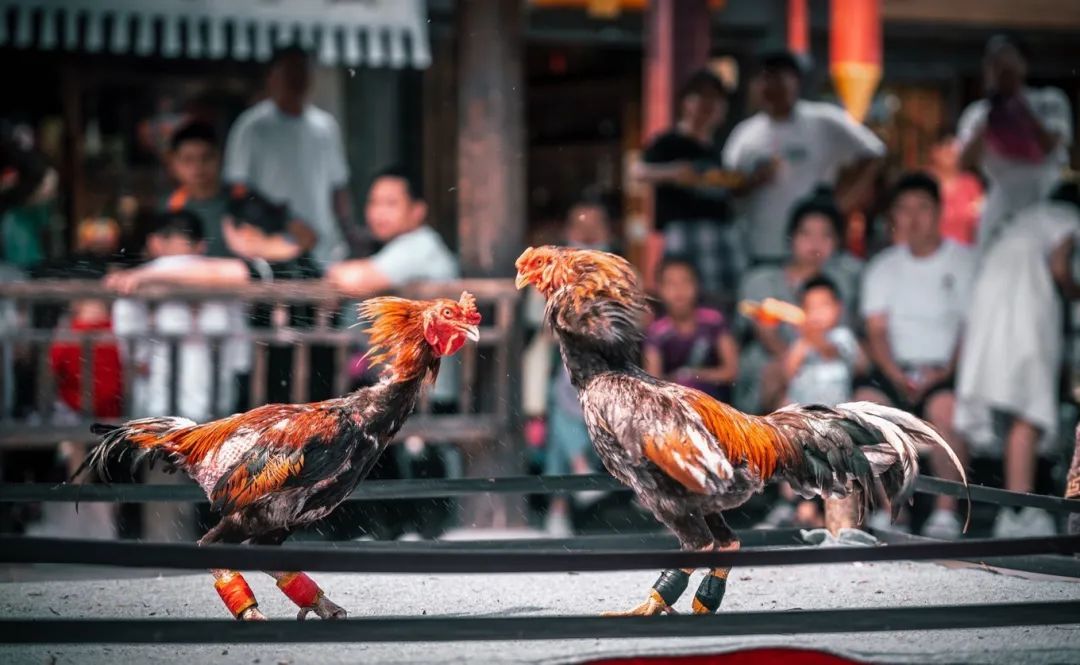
[1014, 346]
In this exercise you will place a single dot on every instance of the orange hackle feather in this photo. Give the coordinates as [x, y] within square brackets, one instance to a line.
[743, 437]
[396, 335]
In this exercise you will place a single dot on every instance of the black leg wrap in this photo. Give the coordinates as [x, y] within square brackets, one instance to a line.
[671, 585]
[710, 594]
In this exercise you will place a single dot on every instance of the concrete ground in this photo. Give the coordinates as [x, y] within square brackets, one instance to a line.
[771, 589]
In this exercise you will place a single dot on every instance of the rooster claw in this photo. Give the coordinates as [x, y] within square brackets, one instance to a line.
[252, 614]
[650, 607]
[324, 609]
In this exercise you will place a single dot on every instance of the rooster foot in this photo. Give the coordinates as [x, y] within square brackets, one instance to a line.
[650, 607]
[252, 614]
[324, 609]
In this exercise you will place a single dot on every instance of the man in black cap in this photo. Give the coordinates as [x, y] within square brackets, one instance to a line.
[809, 143]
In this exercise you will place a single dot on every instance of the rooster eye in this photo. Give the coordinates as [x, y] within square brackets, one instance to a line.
[447, 313]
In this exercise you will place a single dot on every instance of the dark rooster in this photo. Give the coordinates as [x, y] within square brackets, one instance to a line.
[281, 466]
[687, 456]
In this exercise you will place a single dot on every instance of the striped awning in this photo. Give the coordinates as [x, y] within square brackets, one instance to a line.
[373, 33]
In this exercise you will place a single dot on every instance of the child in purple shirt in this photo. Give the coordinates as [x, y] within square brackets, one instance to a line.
[690, 345]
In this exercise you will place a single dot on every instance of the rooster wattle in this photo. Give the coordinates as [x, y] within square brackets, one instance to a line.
[278, 467]
[686, 456]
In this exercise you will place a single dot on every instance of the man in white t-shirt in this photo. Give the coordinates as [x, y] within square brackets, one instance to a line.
[1018, 136]
[914, 299]
[292, 151]
[809, 142]
[412, 252]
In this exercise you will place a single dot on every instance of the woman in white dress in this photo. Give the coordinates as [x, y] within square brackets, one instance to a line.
[1014, 346]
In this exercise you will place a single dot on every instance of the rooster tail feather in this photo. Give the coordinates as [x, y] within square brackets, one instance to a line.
[140, 438]
[895, 461]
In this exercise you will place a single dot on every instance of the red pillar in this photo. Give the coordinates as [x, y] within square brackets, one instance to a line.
[798, 27]
[678, 35]
[855, 52]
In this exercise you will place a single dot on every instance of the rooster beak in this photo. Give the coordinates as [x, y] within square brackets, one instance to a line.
[472, 333]
[522, 281]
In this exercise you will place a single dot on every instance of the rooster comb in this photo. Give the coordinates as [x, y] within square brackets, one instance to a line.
[467, 302]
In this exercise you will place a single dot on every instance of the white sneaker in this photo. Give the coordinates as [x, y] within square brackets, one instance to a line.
[558, 525]
[1028, 523]
[881, 520]
[943, 524]
[782, 514]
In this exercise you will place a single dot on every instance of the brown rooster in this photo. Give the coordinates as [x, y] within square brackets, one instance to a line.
[687, 456]
[281, 466]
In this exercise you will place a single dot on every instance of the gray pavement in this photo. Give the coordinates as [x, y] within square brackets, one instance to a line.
[794, 587]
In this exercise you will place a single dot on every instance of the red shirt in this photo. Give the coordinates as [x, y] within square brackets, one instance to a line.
[960, 199]
[65, 359]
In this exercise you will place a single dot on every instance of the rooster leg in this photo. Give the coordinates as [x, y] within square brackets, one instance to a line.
[307, 595]
[237, 595]
[231, 585]
[298, 587]
[710, 592]
[694, 535]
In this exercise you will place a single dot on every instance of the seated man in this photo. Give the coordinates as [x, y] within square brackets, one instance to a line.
[412, 251]
[195, 164]
[913, 302]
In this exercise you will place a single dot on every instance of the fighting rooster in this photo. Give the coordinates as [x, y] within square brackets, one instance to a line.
[687, 456]
[281, 466]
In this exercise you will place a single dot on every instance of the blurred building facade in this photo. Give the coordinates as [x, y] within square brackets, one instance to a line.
[509, 109]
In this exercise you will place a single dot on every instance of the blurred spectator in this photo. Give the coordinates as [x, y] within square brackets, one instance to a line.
[1018, 136]
[66, 361]
[195, 164]
[27, 185]
[822, 362]
[693, 216]
[22, 229]
[413, 251]
[913, 303]
[201, 385]
[820, 367]
[567, 446]
[690, 345]
[808, 142]
[814, 231]
[961, 191]
[1008, 383]
[176, 243]
[292, 150]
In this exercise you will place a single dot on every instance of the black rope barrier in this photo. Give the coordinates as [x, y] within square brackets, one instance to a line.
[433, 488]
[455, 629]
[1041, 564]
[16, 549]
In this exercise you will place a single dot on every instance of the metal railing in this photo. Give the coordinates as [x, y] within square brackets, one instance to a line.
[36, 317]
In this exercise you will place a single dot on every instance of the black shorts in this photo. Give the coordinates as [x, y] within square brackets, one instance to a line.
[877, 381]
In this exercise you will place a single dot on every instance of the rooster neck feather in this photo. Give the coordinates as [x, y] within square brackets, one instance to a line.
[396, 339]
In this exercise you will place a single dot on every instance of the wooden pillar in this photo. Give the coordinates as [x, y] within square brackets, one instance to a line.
[677, 43]
[491, 213]
[491, 150]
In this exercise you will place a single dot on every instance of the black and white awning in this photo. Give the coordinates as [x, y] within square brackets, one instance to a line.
[373, 33]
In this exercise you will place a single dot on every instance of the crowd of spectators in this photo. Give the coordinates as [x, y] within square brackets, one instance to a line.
[960, 318]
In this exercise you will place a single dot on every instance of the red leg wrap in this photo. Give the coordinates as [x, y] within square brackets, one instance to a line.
[235, 593]
[300, 589]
